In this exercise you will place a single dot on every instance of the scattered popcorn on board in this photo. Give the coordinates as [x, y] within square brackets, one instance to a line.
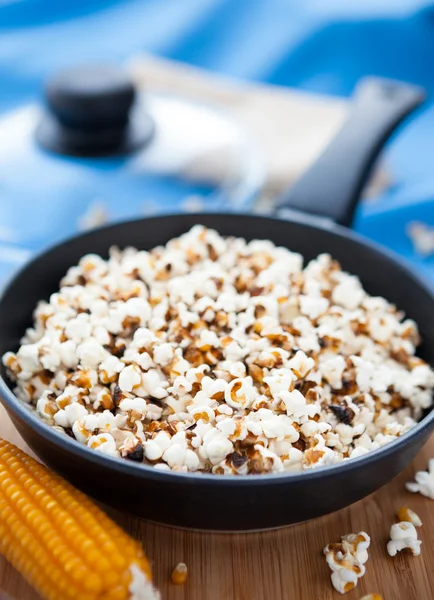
[347, 559]
[403, 536]
[424, 483]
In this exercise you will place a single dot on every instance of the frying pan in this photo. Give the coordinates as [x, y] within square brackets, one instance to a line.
[329, 193]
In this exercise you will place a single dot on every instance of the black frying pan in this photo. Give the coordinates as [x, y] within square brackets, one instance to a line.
[330, 190]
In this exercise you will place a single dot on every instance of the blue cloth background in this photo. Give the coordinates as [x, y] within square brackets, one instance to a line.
[316, 45]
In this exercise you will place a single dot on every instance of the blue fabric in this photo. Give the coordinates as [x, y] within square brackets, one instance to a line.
[313, 45]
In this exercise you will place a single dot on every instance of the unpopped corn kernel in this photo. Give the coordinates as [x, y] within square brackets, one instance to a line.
[179, 574]
[406, 514]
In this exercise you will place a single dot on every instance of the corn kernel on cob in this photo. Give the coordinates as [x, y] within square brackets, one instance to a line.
[60, 541]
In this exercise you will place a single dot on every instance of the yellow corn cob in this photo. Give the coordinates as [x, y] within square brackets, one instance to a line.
[60, 541]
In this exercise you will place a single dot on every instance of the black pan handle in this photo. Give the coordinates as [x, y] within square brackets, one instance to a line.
[333, 185]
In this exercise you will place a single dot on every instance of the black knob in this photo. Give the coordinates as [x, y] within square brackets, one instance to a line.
[91, 112]
[91, 97]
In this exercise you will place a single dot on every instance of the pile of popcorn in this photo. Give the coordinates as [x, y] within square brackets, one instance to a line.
[219, 355]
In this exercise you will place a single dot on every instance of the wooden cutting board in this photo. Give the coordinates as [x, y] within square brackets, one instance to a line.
[279, 565]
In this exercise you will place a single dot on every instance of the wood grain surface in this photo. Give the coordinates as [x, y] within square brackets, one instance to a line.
[279, 565]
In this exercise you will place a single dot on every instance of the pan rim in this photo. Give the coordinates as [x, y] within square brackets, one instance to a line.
[143, 471]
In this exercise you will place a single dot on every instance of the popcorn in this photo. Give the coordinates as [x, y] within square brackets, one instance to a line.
[69, 395]
[87, 424]
[347, 559]
[143, 360]
[132, 449]
[240, 393]
[103, 443]
[359, 544]
[269, 461]
[111, 367]
[301, 364]
[424, 481]
[129, 378]
[28, 358]
[313, 307]
[370, 377]
[78, 328]
[137, 404]
[296, 405]
[234, 352]
[358, 451]
[220, 355]
[344, 580]
[49, 355]
[216, 446]
[163, 354]
[178, 455]
[280, 381]
[69, 415]
[68, 354]
[403, 535]
[46, 406]
[91, 353]
[348, 293]
[207, 340]
[238, 370]
[154, 384]
[318, 454]
[332, 369]
[153, 451]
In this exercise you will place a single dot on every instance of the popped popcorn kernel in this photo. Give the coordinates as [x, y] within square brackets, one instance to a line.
[424, 481]
[225, 356]
[347, 559]
[403, 536]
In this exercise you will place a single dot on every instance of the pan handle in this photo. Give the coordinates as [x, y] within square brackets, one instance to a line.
[333, 185]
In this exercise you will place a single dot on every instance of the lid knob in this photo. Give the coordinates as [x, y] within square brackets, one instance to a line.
[90, 113]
